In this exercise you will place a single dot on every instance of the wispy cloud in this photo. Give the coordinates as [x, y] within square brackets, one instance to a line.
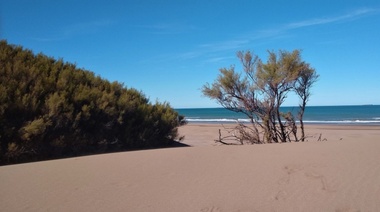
[70, 31]
[277, 32]
[86, 27]
[189, 55]
[168, 28]
[224, 45]
[217, 59]
[281, 30]
[214, 52]
[319, 21]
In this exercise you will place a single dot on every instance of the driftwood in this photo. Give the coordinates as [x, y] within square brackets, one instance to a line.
[246, 134]
[320, 138]
[239, 135]
[221, 139]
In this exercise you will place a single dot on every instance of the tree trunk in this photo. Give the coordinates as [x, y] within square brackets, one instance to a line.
[282, 128]
[302, 111]
[267, 132]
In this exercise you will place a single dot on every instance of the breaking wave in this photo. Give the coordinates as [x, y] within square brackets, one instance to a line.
[227, 120]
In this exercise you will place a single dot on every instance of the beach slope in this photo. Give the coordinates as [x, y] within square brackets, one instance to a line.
[340, 174]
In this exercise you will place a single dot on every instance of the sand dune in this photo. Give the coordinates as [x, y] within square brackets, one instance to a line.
[340, 174]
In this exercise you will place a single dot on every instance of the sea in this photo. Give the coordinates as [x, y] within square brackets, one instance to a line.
[346, 115]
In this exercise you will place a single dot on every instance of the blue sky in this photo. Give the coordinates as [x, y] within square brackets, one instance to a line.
[168, 49]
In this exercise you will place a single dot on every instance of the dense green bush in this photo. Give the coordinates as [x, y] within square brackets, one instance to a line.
[50, 109]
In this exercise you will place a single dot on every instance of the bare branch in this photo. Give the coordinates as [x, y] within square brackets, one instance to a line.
[260, 93]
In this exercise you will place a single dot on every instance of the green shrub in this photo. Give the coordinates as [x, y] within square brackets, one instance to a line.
[51, 109]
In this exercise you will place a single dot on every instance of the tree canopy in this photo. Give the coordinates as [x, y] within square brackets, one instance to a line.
[261, 91]
[50, 109]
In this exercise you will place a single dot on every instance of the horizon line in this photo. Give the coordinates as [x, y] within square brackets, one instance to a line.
[358, 105]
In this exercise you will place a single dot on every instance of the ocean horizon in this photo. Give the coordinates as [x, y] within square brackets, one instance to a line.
[347, 115]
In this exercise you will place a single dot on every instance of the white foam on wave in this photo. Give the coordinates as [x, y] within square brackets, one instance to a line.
[218, 120]
[224, 120]
[344, 122]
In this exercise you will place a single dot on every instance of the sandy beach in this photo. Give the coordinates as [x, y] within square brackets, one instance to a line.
[206, 134]
[341, 173]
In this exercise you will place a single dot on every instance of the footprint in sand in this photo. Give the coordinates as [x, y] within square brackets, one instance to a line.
[325, 185]
[281, 195]
[211, 209]
[216, 209]
[346, 209]
[291, 170]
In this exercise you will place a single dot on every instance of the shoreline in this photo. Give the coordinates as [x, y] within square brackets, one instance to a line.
[339, 123]
[338, 114]
[204, 134]
[298, 125]
[305, 123]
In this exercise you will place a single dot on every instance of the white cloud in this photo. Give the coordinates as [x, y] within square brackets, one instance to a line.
[168, 28]
[217, 59]
[86, 27]
[225, 45]
[279, 32]
[319, 21]
[208, 50]
[69, 31]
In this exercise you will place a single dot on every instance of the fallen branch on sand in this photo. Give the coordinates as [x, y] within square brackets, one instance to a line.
[243, 134]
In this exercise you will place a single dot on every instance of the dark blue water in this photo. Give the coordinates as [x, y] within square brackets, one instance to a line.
[366, 114]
